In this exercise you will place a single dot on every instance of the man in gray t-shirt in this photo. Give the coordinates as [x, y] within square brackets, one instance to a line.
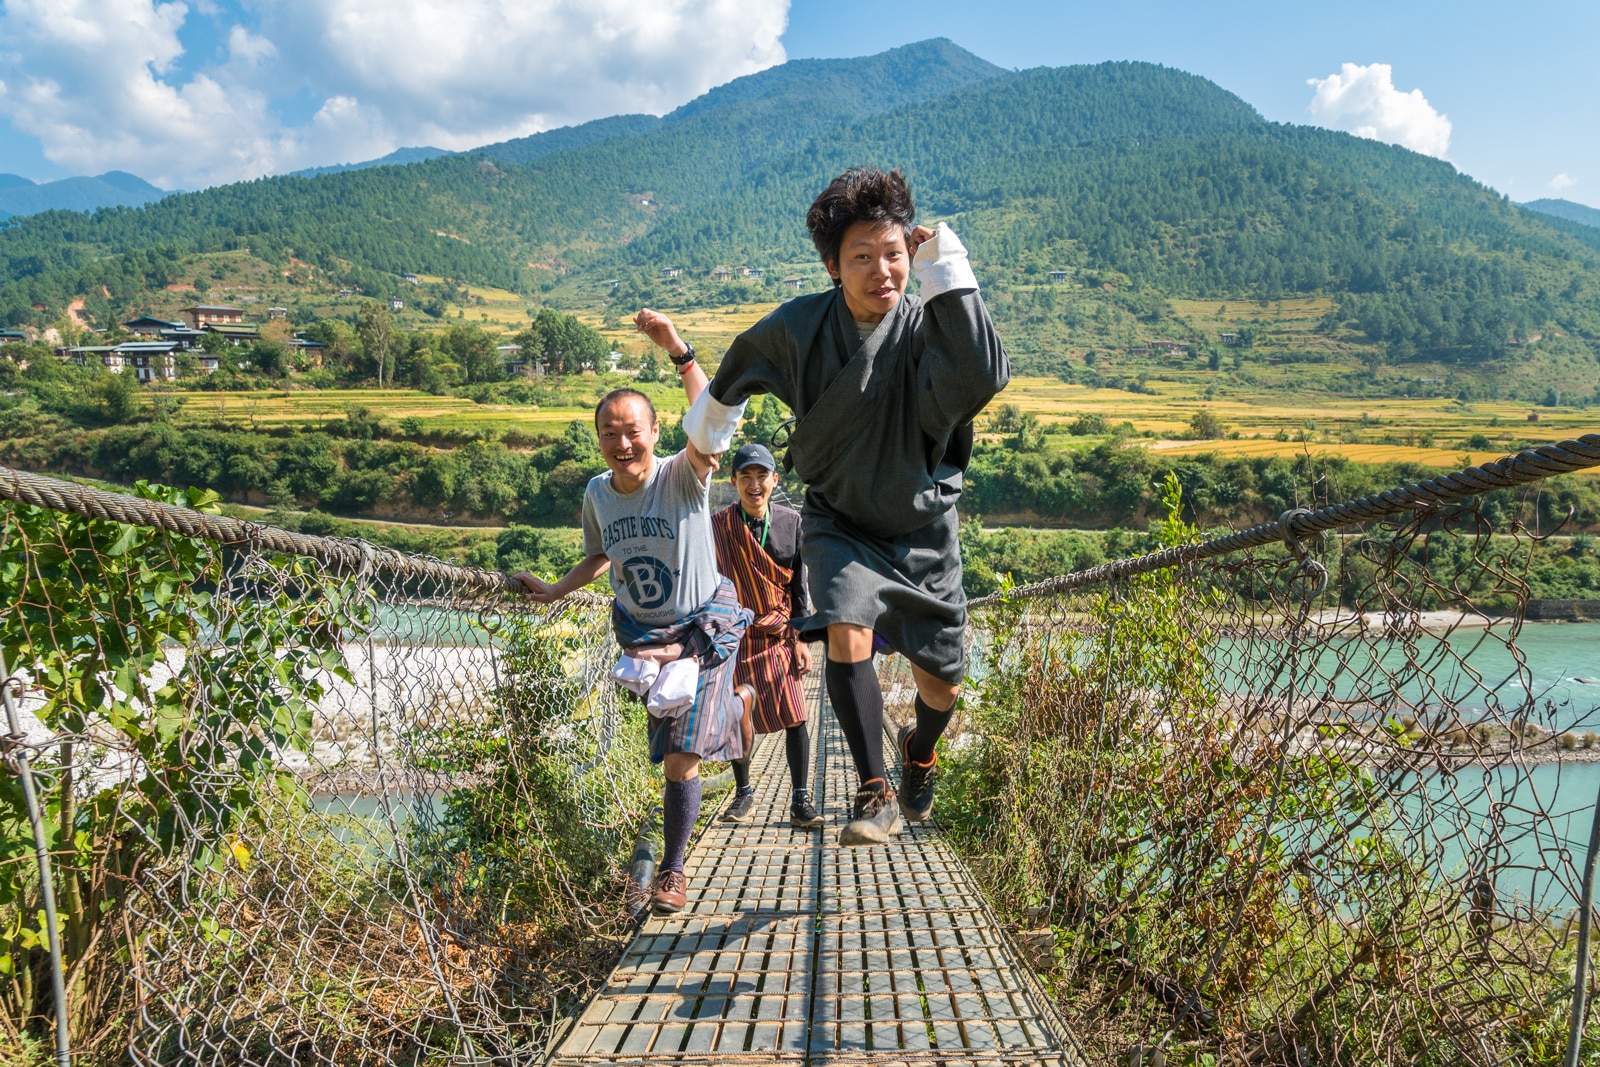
[648, 521]
[657, 539]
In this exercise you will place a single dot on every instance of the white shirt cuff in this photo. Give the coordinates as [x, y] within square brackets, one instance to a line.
[941, 264]
[710, 425]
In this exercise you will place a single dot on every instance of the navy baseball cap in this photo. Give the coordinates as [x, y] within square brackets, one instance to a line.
[753, 456]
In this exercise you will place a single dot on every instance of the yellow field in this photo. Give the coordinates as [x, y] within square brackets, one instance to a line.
[1433, 457]
[710, 330]
[297, 408]
[1294, 315]
[1406, 424]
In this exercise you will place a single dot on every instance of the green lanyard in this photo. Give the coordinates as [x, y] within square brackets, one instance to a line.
[766, 520]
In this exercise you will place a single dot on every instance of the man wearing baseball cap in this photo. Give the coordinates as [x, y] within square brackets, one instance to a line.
[758, 549]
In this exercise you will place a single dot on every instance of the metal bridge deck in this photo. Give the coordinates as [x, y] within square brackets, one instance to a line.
[795, 950]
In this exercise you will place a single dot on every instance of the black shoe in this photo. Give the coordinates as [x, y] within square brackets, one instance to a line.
[803, 815]
[916, 781]
[874, 818]
[742, 804]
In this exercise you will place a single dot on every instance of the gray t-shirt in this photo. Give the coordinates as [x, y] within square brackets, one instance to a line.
[658, 538]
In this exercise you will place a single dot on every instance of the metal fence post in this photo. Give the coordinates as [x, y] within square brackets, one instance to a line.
[1580, 976]
[18, 756]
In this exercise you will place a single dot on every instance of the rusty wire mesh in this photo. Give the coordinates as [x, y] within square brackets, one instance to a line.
[319, 812]
[1251, 820]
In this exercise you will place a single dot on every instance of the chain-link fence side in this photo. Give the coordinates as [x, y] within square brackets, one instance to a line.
[1312, 803]
[326, 805]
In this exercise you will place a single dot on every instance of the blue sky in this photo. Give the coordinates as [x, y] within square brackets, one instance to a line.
[193, 92]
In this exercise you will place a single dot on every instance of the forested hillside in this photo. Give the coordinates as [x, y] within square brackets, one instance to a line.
[1139, 181]
[470, 217]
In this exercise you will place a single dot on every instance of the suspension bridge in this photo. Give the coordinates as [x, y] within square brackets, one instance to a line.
[331, 803]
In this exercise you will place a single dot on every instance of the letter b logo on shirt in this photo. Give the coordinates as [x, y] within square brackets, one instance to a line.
[648, 581]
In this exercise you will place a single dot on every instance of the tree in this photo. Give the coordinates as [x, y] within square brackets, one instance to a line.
[1006, 419]
[1205, 426]
[563, 343]
[270, 357]
[118, 396]
[766, 416]
[337, 336]
[473, 348]
[375, 328]
[207, 733]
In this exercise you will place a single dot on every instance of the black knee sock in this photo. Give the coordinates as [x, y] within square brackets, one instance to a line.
[797, 744]
[858, 703]
[680, 807]
[930, 725]
[741, 772]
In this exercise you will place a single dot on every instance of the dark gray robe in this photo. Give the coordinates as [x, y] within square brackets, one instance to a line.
[882, 438]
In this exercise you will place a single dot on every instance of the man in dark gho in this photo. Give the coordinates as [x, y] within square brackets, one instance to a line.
[758, 549]
[884, 386]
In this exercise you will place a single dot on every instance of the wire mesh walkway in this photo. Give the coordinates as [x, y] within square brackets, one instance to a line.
[795, 950]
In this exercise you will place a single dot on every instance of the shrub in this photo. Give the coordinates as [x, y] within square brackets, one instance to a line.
[1569, 741]
[209, 728]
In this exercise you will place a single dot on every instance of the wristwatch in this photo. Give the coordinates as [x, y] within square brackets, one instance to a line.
[685, 359]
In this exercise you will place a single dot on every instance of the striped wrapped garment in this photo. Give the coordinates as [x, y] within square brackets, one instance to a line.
[710, 728]
[766, 660]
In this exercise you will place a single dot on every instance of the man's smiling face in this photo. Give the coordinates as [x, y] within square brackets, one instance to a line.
[628, 436]
[873, 268]
[755, 485]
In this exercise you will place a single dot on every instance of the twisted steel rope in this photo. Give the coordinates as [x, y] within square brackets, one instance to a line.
[1529, 465]
[342, 554]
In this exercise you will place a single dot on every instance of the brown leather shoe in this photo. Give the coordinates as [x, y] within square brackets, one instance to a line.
[671, 893]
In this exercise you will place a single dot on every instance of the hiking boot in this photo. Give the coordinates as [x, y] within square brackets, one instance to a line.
[874, 817]
[916, 781]
[803, 815]
[670, 894]
[742, 804]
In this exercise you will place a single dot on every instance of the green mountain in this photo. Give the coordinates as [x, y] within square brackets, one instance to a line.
[398, 158]
[19, 196]
[1566, 209]
[1579, 220]
[567, 138]
[1141, 182]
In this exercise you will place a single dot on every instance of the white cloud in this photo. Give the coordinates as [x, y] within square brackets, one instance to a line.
[246, 47]
[93, 80]
[1364, 101]
[464, 73]
[1562, 181]
[97, 81]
